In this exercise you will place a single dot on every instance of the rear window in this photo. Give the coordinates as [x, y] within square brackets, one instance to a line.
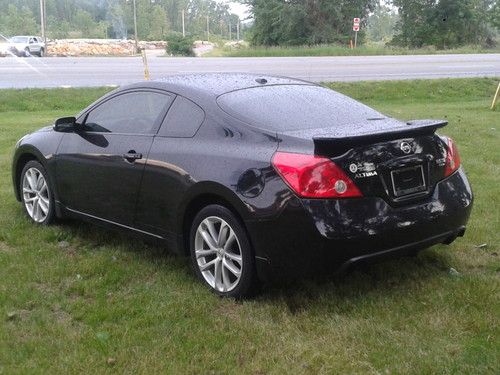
[295, 107]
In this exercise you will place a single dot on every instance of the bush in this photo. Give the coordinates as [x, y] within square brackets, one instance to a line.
[179, 45]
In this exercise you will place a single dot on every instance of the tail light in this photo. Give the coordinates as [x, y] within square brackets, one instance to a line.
[312, 176]
[452, 158]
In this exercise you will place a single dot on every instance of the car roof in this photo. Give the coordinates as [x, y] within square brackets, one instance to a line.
[206, 86]
[221, 83]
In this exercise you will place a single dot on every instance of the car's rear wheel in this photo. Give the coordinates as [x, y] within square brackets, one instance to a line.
[41, 53]
[36, 193]
[221, 253]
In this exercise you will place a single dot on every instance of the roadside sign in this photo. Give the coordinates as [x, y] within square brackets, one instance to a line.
[355, 28]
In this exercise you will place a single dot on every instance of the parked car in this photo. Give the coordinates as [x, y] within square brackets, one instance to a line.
[27, 46]
[4, 46]
[255, 178]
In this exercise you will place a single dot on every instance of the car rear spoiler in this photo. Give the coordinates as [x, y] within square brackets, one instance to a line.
[342, 144]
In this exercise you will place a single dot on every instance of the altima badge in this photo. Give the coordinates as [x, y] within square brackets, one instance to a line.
[406, 147]
[364, 169]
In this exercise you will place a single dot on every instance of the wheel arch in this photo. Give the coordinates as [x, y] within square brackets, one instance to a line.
[200, 196]
[22, 158]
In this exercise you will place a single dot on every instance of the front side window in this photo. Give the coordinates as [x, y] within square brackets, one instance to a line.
[132, 113]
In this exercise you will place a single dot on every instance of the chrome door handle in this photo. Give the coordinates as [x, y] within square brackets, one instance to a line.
[132, 156]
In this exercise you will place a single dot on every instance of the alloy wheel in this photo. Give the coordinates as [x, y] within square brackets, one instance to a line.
[36, 195]
[218, 254]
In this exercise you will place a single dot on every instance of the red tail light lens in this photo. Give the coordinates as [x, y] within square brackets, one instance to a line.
[452, 158]
[312, 176]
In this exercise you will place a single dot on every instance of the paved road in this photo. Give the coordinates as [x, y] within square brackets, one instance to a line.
[100, 71]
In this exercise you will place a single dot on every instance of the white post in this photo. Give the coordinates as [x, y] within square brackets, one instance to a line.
[183, 25]
[208, 29]
[238, 30]
[355, 39]
[42, 22]
[230, 31]
[135, 29]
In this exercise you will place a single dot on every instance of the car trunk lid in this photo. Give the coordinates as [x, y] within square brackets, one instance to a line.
[398, 161]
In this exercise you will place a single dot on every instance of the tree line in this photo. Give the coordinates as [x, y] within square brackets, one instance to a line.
[407, 23]
[114, 18]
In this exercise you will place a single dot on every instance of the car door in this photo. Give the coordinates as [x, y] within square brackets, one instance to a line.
[166, 175]
[99, 169]
[33, 45]
[38, 44]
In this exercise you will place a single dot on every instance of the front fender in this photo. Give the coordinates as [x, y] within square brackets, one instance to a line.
[40, 146]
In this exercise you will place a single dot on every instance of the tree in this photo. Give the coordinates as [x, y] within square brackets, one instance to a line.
[444, 23]
[98, 18]
[381, 24]
[18, 21]
[294, 22]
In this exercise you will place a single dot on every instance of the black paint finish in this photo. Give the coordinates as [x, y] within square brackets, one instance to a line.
[153, 184]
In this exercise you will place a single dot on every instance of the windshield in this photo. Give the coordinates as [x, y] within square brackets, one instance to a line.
[295, 107]
[19, 39]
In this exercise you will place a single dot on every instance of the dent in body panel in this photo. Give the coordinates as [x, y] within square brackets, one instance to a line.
[358, 218]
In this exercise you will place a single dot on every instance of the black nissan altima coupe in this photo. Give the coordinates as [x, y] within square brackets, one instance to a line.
[255, 178]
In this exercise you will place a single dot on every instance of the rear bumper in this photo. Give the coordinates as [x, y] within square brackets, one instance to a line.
[317, 236]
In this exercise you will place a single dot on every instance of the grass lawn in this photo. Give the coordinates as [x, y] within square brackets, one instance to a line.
[78, 299]
[336, 50]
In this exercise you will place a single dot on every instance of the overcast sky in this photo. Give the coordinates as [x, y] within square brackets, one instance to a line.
[239, 9]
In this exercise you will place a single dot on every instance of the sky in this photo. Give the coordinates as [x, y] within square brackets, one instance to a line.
[239, 9]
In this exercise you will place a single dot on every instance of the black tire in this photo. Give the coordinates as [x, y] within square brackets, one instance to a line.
[41, 53]
[247, 284]
[27, 52]
[49, 217]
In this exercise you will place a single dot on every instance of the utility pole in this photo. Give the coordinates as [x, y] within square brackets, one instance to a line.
[183, 24]
[42, 22]
[230, 31]
[135, 29]
[208, 29]
[238, 31]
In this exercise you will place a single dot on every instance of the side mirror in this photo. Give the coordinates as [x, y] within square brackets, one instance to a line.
[65, 125]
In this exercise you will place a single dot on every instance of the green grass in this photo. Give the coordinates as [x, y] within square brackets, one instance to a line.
[336, 50]
[78, 299]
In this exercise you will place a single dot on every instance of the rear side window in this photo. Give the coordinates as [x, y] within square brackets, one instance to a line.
[183, 120]
[295, 107]
[136, 112]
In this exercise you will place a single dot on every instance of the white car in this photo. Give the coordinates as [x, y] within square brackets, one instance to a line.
[27, 45]
[4, 46]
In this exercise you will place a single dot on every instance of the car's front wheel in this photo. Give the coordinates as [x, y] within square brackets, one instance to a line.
[36, 193]
[27, 52]
[221, 253]
[41, 53]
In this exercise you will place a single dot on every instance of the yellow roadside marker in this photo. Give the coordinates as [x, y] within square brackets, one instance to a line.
[146, 68]
[495, 99]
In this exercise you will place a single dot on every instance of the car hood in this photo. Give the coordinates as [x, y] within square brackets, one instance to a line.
[17, 45]
[45, 129]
